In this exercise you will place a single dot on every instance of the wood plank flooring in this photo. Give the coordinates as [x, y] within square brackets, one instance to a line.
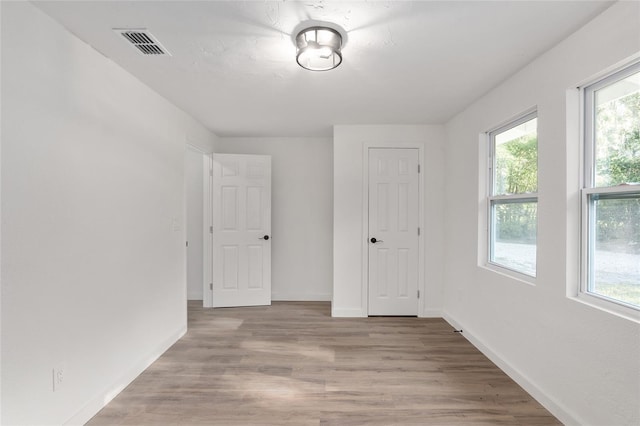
[292, 364]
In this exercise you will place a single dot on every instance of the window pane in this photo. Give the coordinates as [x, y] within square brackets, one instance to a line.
[616, 248]
[513, 241]
[617, 132]
[516, 159]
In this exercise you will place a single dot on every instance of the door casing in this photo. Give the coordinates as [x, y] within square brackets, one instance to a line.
[207, 235]
[198, 228]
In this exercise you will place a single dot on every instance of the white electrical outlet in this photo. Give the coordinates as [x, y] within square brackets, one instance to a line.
[58, 378]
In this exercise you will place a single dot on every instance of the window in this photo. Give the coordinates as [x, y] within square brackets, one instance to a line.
[513, 198]
[611, 192]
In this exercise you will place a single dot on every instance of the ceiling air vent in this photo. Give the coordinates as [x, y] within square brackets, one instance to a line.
[142, 40]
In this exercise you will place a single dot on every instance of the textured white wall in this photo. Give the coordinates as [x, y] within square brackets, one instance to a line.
[348, 171]
[301, 213]
[583, 363]
[93, 270]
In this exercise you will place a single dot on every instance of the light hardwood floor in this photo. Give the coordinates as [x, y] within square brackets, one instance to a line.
[292, 364]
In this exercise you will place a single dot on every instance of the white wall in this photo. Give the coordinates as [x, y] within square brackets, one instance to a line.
[93, 271]
[301, 215]
[92, 217]
[0, 233]
[194, 174]
[348, 170]
[581, 362]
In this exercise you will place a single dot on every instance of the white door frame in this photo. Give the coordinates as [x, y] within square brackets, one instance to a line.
[205, 167]
[207, 234]
[365, 221]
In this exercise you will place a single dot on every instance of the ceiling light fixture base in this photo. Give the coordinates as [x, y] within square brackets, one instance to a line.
[319, 48]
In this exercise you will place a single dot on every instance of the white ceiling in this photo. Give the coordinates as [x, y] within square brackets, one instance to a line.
[233, 62]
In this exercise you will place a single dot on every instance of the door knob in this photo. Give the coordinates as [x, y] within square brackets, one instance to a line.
[266, 237]
[374, 240]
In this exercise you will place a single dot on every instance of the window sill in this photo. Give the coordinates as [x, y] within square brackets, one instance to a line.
[510, 273]
[607, 306]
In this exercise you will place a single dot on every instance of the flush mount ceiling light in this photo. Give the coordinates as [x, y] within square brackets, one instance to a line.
[319, 48]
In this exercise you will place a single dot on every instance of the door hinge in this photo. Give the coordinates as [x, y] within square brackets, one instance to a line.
[211, 229]
[418, 294]
[418, 231]
[418, 168]
[210, 172]
[187, 243]
[210, 286]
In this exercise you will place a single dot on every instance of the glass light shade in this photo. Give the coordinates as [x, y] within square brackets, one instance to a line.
[319, 48]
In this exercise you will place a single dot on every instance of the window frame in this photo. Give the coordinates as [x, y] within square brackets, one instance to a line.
[494, 200]
[589, 193]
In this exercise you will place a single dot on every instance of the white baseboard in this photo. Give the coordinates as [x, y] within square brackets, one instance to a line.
[300, 297]
[347, 313]
[554, 407]
[194, 296]
[431, 313]
[103, 398]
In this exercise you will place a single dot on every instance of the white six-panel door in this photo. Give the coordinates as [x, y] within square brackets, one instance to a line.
[393, 231]
[241, 248]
